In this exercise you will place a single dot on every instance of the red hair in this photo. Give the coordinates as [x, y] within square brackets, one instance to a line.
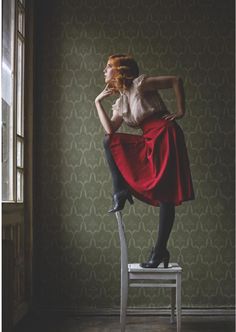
[126, 70]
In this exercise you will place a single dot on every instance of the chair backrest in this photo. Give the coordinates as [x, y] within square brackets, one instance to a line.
[123, 249]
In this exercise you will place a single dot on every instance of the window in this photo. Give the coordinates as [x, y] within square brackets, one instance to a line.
[13, 46]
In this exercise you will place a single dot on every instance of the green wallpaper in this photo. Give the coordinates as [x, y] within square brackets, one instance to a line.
[76, 241]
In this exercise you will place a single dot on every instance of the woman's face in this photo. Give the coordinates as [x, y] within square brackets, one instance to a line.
[108, 72]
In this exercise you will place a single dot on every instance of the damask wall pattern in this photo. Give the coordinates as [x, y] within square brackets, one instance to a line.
[76, 240]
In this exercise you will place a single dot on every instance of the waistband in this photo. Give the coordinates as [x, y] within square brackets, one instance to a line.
[155, 121]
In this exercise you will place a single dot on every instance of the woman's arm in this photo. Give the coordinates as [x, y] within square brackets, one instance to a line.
[109, 125]
[168, 82]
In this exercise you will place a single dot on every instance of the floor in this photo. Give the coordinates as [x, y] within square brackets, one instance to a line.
[134, 324]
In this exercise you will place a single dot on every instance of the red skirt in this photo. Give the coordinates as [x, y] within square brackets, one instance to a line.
[155, 164]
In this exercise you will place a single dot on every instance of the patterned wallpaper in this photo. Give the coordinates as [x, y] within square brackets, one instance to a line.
[76, 242]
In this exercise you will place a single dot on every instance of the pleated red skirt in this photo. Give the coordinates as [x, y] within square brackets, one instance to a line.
[155, 164]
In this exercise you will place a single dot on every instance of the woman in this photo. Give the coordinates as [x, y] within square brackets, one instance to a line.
[154, 166]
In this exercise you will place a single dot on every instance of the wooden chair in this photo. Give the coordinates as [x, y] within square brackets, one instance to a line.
[132, 275]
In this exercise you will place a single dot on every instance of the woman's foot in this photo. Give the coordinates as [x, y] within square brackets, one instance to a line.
[156, 259]
[119, 200]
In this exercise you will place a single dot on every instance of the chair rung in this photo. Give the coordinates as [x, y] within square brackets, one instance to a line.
[152, 285]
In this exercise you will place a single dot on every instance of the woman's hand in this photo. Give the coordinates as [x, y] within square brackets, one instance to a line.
[173, 116]
[105, 93]
[109, 124]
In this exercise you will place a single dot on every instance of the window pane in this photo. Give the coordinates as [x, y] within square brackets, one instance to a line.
[20, 128]
[7, 98]
[20, 184]
[7, 151]
[7, 51]
[20, 153]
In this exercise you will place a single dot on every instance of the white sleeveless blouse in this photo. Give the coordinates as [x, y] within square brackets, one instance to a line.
[135, 105]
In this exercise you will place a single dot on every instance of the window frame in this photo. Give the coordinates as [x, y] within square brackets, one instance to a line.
[19, 7]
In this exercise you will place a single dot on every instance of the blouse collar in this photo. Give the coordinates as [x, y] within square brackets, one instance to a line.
[124, 103]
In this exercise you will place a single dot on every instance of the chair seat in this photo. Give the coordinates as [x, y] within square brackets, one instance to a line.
[172, 268]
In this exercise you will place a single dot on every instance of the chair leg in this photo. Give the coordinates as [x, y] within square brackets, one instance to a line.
[178, 302]
[124, 280]
[123, 305]
[173, 295]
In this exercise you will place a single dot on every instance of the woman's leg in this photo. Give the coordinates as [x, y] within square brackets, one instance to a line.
[118, 181]
[160, 253]
[166, 221]
[120, 188]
